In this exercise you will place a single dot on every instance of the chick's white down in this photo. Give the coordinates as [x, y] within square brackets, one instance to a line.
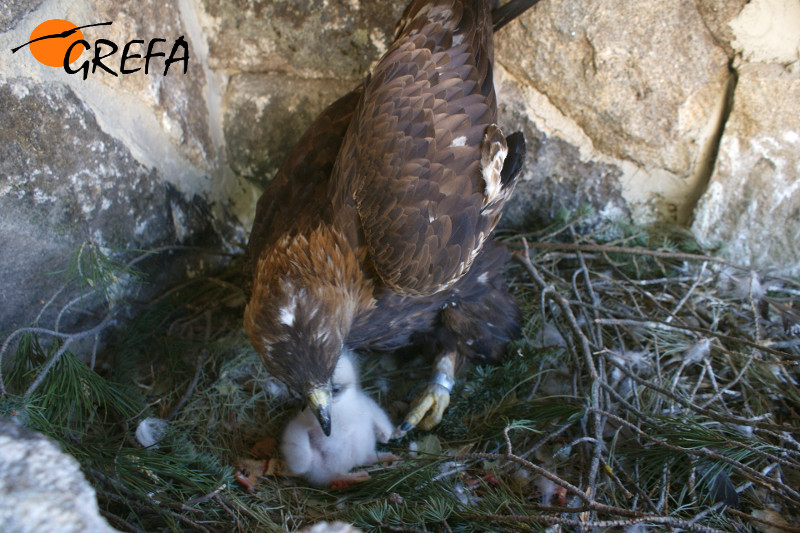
[357, 422]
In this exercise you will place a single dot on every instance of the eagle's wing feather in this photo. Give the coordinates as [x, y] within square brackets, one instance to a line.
[411, 162]
[303, 177]
[302, 180]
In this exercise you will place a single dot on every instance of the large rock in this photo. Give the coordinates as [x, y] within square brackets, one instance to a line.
[752, 205]
[177, 100]
[751, 209]
[717, 16]
[641, 95]
[265, 114]
[42, 488]
[64, 181]
[555, 176]
[307, 38]
[11, 11]
[768, 31]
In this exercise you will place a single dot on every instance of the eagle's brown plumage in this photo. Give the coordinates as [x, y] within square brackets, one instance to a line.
[377, 230]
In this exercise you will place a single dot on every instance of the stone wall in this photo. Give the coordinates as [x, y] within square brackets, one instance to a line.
[684, 111]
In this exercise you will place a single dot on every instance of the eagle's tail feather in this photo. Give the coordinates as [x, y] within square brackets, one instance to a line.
[512, 165]
[507, 12]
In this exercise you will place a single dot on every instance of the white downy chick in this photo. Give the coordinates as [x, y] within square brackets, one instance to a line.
[357, 421]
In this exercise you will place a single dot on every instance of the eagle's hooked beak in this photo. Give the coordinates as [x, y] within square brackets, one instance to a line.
[319, 400]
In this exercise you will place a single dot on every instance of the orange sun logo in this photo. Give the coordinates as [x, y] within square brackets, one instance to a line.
[51, 39]
[59, 43]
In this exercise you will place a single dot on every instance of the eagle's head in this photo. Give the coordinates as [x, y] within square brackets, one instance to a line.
[307, 292]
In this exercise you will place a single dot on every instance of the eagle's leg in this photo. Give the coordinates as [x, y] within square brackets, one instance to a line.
[428, 408]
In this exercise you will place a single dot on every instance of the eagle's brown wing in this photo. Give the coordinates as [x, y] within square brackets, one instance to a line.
[306, 170]
[411, 163]
[301, 182]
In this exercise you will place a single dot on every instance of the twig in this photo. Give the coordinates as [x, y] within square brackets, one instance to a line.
[525, 260]
[651, 324]
[640, 492]
[202, 499]
[538, 470]
[508, 440]
[730, 385]
[604, 248]
[69, 305]
[705, 452]
[49, 303]
[145, 408]
[792, 343]
[589, 503]
[445, 474]
[583, 524]
[783, 527]
[111, 517]
[145, 508]
[106, 322]
[686, 296]
[598, 334]
[711, 414]
[544, 440]
[751, 299]
[610, 473]
[190, 389]
[785, 439]
[662, 499]
[562, 304]
[228, 510]
[95, 344]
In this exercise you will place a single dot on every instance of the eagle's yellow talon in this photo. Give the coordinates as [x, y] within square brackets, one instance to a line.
[428, 409]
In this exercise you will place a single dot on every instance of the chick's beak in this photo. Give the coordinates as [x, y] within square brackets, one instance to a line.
[319, 400]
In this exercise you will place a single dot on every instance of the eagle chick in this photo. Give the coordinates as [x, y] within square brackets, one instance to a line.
[357, 422]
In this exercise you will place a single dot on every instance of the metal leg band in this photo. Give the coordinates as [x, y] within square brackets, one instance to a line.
[442, 379]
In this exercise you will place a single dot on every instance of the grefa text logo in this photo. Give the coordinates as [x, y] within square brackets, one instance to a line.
[60, 43]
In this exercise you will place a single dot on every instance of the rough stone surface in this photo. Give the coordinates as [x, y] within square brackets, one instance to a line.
[42, 488]
[64, 181]
[555, 177]
[11, 11]
[265, 114]
[768, 31]
[307, 38]
[177, 99]
[752, 205]
[717, 16]
[641, 92]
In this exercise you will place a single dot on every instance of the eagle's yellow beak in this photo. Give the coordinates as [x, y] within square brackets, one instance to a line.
[319, 400]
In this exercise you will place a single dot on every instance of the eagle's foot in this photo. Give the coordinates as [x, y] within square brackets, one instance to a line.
[428, 408]
[346, 480]
[386, 458]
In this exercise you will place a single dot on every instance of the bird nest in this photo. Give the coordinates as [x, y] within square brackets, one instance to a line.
[653, 387]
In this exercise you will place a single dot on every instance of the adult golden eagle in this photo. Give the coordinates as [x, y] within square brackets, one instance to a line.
[377, 231]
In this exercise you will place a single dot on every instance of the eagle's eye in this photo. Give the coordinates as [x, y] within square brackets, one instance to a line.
[336, 390]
